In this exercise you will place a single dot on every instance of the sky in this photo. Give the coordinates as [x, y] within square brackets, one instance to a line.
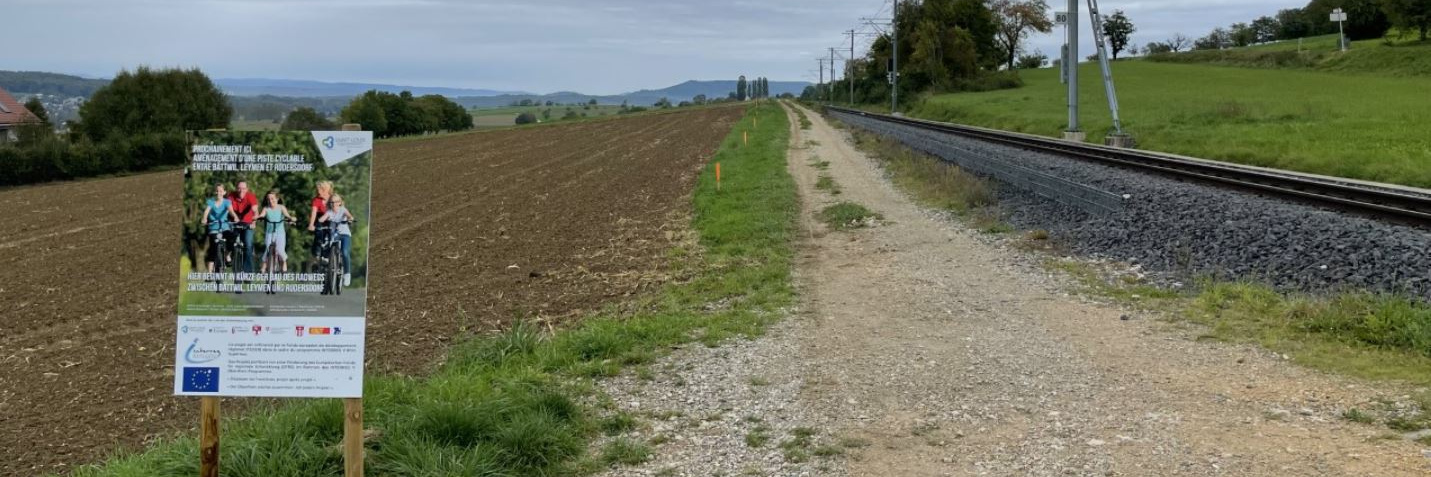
[540, 46]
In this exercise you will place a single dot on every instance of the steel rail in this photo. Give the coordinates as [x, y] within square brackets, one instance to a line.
[1385, 200]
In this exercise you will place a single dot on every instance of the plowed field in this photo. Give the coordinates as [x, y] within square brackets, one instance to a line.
[469, 231]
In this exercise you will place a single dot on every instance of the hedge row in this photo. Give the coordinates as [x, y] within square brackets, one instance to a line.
[56, 159]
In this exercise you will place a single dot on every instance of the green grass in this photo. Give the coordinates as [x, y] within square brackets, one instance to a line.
[757, 437]
[1368, 335]
[625, 452]
[1383, 57]
[1359, 126]
[827, 184]
[804, 120]
[512, 404]
[848, 215]
[930, 181]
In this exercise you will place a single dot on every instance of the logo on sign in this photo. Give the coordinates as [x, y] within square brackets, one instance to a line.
[196, 355]
[300, 330]
[328, 142]
[201, 380]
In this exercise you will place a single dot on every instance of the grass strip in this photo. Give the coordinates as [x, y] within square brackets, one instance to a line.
[513, 404]
[849, 215]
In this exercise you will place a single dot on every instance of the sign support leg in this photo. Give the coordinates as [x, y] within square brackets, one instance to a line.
[208, 437]
[353, 437]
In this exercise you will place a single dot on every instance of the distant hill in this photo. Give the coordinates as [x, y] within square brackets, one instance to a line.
[262, 98]
[39, 82]
[316, 89]
[677, 93]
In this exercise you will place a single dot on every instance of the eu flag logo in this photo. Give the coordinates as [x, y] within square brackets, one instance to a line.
[201, 380]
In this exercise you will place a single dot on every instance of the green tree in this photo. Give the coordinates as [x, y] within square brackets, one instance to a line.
[662, 103]
[1410, 15]
[742, 90]
[1158, 48]
[1365, 18]
[526, 118]
[1028, 62]
[1292, 23]
[306, 119]
[154, 101]
[699, 99]
[1265, 29]
[1014, 21]
[38, 109]
[1242, 34]
[1219, 38]
[367, 110]
[1119, 30]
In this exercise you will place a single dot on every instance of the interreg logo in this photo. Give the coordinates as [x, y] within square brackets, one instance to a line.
[196, 355]
[328, 142]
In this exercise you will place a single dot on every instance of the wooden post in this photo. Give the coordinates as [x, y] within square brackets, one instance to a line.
[208, 437]
[353, 412]
[353, 437]
[745, 137]
[717, 176]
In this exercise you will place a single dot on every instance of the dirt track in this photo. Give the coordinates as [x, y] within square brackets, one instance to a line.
[471, 230]
[921, 348]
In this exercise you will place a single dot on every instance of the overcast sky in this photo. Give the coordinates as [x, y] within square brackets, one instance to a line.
[591, 46]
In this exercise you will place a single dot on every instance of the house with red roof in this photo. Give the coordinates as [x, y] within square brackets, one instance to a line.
[12, 115]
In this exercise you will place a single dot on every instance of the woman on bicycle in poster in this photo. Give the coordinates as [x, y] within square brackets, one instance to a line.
[275, 243]
[217, 218]
[342, 219]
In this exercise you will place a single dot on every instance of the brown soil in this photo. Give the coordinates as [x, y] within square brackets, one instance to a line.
[471, 231]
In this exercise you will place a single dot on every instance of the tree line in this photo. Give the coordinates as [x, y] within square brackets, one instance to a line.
[1366, 19]
[945, 45]
[138, 121]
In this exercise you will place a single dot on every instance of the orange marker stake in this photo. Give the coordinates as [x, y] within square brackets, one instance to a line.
[717, 176]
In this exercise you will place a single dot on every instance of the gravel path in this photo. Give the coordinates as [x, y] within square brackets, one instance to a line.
[921, 349]
[1191, 229]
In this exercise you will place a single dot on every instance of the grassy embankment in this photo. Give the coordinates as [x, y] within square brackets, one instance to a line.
[1373, 336]
[1366, 126]
[513, 404]
[1377, 57]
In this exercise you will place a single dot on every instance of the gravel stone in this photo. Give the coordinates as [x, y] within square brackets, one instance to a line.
[1191, 229]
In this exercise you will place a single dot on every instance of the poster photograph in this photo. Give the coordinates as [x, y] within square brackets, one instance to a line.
[273, 264]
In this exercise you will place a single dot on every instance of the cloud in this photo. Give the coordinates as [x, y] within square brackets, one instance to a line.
[598, 46]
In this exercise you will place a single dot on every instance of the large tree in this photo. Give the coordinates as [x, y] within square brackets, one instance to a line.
[1178, 42]
[1242, 34]
[1218, 39]
[1014, 21]
[154, 101]
[1410, 15]
[1119, 30]
[1265, 29]
[1365, 18]
[1292, 23]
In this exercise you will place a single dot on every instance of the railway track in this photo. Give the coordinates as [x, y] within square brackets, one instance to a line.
[1383, 200]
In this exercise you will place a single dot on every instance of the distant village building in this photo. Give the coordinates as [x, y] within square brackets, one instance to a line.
[12, 115]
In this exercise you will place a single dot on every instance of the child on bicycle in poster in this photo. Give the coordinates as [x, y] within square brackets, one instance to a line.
[218, 218]
[339, 216]
[275, 243]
